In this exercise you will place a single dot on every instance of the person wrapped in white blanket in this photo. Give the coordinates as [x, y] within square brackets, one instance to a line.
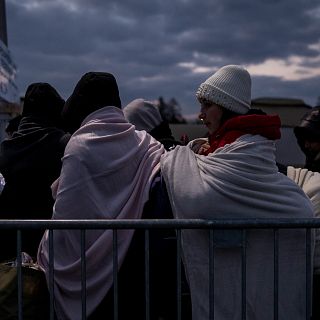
[107, 171]
[233, 175]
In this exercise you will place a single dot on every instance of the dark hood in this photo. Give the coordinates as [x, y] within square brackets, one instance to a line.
[94, 90]
[44, 102]
[38, 144]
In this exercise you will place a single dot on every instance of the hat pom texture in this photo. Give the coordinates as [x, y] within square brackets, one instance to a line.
[229, 87]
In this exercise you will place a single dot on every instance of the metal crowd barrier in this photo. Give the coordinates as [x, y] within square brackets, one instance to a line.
[178, 226]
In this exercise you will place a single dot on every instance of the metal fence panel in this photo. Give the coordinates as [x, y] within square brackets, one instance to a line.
[178, 226]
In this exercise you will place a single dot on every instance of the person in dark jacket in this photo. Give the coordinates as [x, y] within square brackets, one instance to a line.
[308, 138]
[30, 162]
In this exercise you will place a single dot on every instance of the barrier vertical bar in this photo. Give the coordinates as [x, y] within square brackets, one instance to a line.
[244, 276]
[51, 274]
[115, 274]
[275, 273]
[19, 276]
[178, 231]
[147, 272]
[308, 273]
[83, 274]
[211, 274]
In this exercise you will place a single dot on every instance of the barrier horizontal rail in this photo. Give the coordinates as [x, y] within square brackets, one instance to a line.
[161, 223]
[178, 224]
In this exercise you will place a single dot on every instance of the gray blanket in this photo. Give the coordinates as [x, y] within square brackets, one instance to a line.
[239, 181]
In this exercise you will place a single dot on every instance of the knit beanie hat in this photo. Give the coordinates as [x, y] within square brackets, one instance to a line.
[143, 114]
[229, 87]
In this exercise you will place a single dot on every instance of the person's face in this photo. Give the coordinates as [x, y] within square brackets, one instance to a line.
[312, 147]
[211, 115]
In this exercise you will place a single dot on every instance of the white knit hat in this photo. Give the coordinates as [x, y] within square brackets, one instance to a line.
[229, 87]
[143, 114]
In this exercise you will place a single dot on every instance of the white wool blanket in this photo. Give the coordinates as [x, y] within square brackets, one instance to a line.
[309, 181]
[239, 180]
[107, 171]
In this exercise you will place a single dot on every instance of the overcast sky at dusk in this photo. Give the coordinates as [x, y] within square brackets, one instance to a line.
[168, 47]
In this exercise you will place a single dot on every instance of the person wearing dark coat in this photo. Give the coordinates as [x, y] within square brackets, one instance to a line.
[308, 138]
[30, 162]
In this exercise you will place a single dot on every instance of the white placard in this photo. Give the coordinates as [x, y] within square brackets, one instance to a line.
[8, 73]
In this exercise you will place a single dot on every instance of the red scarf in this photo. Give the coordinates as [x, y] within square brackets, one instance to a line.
[267, 126]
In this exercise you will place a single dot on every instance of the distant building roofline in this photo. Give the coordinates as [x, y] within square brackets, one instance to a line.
[290, 102]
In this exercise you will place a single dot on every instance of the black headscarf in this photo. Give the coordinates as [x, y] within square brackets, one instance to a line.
[44, 102]
[30, 161]
[94, 90]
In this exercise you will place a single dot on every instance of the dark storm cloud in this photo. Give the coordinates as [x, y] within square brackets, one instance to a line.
[251, 31]
[148, 44]
[274, 87]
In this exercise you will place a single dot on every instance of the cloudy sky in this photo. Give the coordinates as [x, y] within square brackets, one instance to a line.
[168, 47]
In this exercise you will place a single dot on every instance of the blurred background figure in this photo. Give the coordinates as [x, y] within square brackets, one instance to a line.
[308, 137]
[145, 115]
